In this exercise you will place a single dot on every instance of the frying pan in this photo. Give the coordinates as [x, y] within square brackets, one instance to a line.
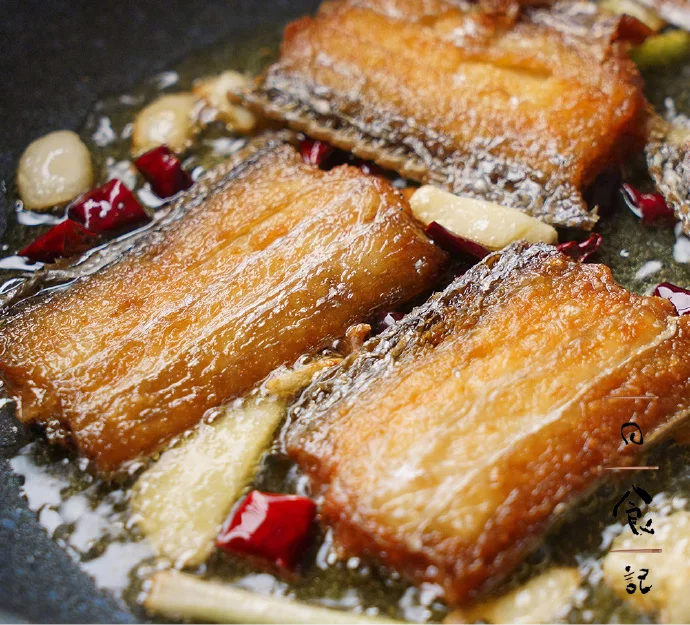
[57, 58]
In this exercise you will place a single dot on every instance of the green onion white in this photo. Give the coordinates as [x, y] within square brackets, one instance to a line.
[177, 595]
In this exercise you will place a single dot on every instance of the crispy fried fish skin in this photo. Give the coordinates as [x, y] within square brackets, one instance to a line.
[454, 440]
[523, 112]
[273, 260]
[668, 159]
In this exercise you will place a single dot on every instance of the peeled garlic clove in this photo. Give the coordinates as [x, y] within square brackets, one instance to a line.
[54, 170]
[170, 120]
[490, 225]
[214, 93]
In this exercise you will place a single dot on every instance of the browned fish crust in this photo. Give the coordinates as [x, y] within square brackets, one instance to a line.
[668, 159]
[264, 260]
[522, 111]
[454, 440]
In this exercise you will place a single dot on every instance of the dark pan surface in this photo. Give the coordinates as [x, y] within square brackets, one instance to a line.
[57, 58]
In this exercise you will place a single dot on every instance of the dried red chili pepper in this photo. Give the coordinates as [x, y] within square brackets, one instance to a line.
[63, 240]
[273, 527]
[650, 207]
[314, 152]
[163, 171]
[453, 243]
[677, 295]
[110, 207]
[582, 250]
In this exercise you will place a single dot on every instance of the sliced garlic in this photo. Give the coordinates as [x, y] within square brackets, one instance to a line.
[668, 570]
[491, 225]
[214, 93]
[53, 170]
[169, 120]
[181, 501]
[540, 600]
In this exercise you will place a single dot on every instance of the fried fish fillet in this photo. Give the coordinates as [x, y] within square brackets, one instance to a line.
[524, 113]
[450, 443]
[272, 259]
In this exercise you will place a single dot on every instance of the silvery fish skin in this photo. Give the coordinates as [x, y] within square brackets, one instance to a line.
[264, 260]
[452, 442]
[525, 111]
[668, 159]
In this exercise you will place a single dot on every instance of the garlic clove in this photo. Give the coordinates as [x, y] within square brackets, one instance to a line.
[490, 225]
[54, 170]
[214, 93]
[170, 120]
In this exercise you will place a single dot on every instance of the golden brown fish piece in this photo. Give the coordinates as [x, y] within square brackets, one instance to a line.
[450, 443]
[524, 113]
[272, 259]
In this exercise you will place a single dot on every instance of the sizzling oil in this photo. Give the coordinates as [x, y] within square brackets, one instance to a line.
[89, 518]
